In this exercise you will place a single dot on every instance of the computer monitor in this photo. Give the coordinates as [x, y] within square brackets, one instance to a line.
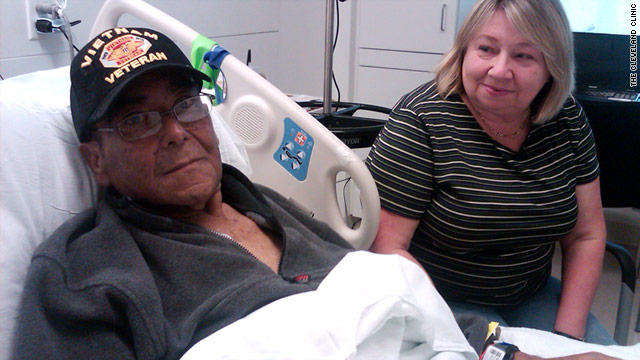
[604, 33]
[602, 43]
[602, 62]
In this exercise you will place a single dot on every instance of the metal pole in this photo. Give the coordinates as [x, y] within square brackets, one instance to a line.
[328, 56]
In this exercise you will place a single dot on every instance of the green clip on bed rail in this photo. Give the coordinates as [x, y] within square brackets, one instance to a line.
[199, 48]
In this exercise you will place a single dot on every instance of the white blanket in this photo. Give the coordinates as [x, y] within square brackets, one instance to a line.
[369, 307]
[546, 344]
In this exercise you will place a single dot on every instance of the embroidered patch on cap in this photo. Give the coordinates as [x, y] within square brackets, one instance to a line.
[123, 49]
[111, 61]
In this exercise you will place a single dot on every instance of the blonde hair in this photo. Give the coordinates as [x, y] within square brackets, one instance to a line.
[541, 22]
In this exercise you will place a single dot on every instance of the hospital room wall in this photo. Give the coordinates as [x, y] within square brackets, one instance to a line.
[286, 36]
[237, 25]
[384, 48]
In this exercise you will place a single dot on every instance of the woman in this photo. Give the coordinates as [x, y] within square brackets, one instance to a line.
[482, 170]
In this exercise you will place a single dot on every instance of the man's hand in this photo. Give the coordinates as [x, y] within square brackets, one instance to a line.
[586, 356]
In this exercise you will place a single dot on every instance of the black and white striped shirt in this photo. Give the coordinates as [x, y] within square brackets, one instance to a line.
[489, 216]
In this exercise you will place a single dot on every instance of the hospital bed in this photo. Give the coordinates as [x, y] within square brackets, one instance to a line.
[43, 181]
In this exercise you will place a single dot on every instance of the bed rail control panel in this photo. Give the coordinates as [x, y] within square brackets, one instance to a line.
[294, 152]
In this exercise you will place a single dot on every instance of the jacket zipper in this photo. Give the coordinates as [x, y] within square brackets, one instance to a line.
[284, 244]
[228, 237]
[225, 236]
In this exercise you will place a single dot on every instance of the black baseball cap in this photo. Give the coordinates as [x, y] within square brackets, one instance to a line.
[111, 61]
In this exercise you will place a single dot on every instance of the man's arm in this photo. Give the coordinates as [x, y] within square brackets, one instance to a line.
[60, 323]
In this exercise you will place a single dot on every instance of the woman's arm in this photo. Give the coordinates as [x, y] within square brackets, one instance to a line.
[586, 356]
[582, 254]
[394, 235]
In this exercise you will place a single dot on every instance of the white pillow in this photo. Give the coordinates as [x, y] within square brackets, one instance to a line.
[43, 180]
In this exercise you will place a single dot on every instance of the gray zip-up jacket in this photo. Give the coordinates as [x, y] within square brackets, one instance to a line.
[120, 282]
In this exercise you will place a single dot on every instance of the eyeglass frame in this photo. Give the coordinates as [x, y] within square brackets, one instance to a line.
[116, 128]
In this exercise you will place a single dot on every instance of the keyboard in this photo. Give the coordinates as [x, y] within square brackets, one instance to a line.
[613, 95]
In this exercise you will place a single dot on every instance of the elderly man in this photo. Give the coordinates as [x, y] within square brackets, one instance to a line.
[181, 245]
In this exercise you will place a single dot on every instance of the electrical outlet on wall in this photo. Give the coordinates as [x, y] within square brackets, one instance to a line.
[32, 15]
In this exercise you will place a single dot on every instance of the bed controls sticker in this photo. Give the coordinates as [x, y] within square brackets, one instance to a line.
[294, 152]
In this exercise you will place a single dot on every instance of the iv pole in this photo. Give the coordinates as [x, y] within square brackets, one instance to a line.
[328, 56]
[354, 131]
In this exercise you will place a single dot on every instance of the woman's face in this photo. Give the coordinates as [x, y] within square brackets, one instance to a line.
[501, 71]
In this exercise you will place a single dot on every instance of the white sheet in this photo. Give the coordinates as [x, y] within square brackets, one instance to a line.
[546, 344]
[369, 307]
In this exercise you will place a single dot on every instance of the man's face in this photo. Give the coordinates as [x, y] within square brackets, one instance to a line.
[175, 167]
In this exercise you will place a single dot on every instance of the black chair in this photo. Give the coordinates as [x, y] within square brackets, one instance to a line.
[616, 128]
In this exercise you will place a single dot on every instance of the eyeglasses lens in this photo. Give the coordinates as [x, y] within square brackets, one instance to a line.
[146, 124]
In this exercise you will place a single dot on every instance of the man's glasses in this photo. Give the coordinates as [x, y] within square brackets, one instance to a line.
[188, 112]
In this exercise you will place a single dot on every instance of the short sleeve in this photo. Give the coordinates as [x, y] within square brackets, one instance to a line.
[401, 162]
[584, 146]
